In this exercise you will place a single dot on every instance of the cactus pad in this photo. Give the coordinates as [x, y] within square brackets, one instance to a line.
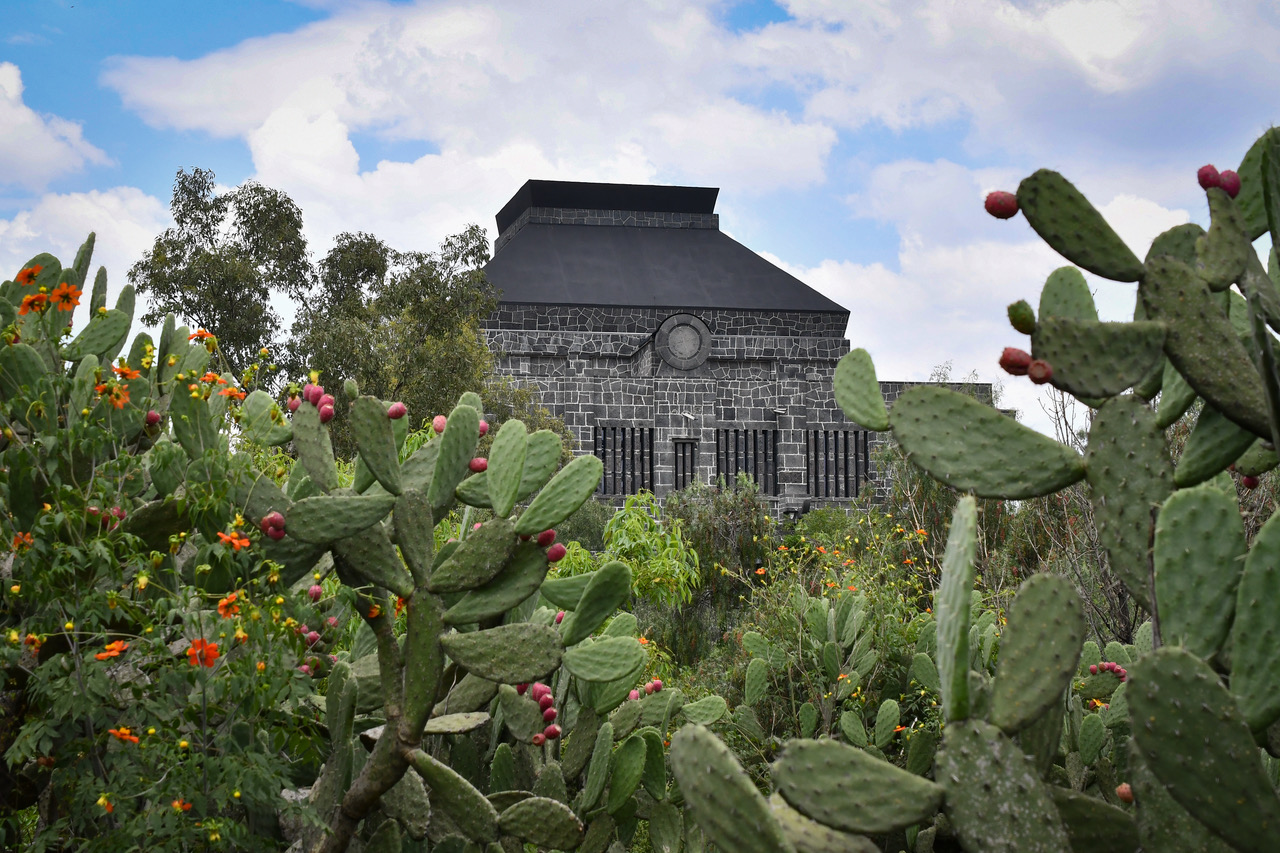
[1214, 443]
[506, 467]
[1255, 666]
[1250, 200]
[510, 654]
[315, 452]
[847, 789]
[1129, 475]
[1094, 825]
[541, 455]
[974, 448]
[519, 580]
[1066, 220]
[994, 798]
[888, 715]
[1038, 651]
[607, 589]
[1202, 345]
[598, 769]
[328, 518]
[604, 660]
[757, 681]
[951, 602]
[560, 498]
[1199, 557]
[567, 591]
[705, 711]
[858, 392]
[457, 797]
[1066, 294]
[628, 768]
[370, 555]
[456, 449]
[414, 529]
[809, 836]
[542, 822]
[1092, 359]
[1223, 252]
[477, 560]
[1093, 735]
[721, 796]
[1162, 823]
[1196, 742]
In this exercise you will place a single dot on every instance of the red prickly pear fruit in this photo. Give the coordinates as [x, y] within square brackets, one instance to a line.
[1039, 371]
[484, 427]
[274, 519]
[304, 669]
[521, 688]
[478, 464]
[1230, 183]
[1015, 361]
[153, 417]
[332, 621]
[316, 592]
[1249, 481]
[539, 739]
[397, 410]
[657, 685]
[1208, 177]
[545, 538]
[551, 732]
[648, 688]
[438, 422]
[559, 617]
[326, 414]
[326, 400]
[1001, 205]
[1022, 317]
[276, 533]
[634, 694]
[312, 637]
[556, 553]
[1124, 792]
[549, 715]
[307, 390]
[1093, 669]
[312, 394]
[545, 701]
[538, 690]
[475, 526]
[525, 537]
[293, 404]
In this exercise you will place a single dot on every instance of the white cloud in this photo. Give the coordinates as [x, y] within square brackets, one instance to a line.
[125, 219]
[34, 148]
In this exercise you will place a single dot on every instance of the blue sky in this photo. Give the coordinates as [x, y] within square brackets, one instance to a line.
[852, 142]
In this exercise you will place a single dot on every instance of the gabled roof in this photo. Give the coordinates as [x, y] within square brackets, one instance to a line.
[546, 262]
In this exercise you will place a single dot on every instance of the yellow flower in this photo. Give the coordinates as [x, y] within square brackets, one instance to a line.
[142, 581]
[151, 730]
[182, 744]
[70, 626]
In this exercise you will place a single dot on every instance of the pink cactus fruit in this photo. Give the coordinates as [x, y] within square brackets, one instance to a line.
[1249, 481]
[521, 688]
[326, 414]
[397, 410]
[559, 617]
[153, 417]
[1093, 669]
[1230, 183]
[484, 426]
[545, 538]
[551, 732]
[648, 688]
[304, 669]
[1124, 792]
[478, 464]
[657, 685]
[1208, 177]
[438, 423]
[538, 690]
[1040, 372]
[332, 621]
[545, 701]
[312, 637]
[316, 592]
[549, 715]
[326, 400]
[556, 553]
[1015, 361]
[634, 694]
[539, 739]
[293, 404]
[1001, 204]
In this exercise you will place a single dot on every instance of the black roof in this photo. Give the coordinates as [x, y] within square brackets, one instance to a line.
[607, 265]
[591, 196]
[648, 267]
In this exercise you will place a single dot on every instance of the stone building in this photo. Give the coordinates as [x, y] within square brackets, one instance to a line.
[671, 351]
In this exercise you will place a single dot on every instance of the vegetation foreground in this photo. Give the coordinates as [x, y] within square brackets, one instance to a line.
[212, 643]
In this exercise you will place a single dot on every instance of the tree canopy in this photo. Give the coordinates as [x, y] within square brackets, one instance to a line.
[222, 261]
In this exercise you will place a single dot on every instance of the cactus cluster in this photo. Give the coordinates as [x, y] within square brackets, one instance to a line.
[1166, 744]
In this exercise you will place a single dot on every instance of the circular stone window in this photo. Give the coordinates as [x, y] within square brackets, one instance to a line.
[683, 341]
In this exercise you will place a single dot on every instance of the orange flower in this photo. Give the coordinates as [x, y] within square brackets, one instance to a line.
[262, 665]
[202, 653]
[821, 550]
[400, 603]
[760, 570]
[853, 589]
[841, 677]
[118, 395]
[33, 302]
[241, 634]
[181, 805]
[124, 371]
[227, 607]
[213, 377]
[831, 583]
[113, 650]
[23, 541]
[33, 641]
[235, 539]
[782, 547]
[907, 561]
[199, 334]
[899, 729]
[644, 641]
[66, 296]
[106, 804]
[124, 734]
[922, 532]
[231, 392]
[28, 275]
[375, 611]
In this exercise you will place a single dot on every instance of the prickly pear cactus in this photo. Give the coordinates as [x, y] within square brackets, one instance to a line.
[1162, 744]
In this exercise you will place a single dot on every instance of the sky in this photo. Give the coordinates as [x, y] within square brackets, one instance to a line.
[852, 141]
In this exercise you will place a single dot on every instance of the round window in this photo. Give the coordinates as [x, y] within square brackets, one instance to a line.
[683, 341]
